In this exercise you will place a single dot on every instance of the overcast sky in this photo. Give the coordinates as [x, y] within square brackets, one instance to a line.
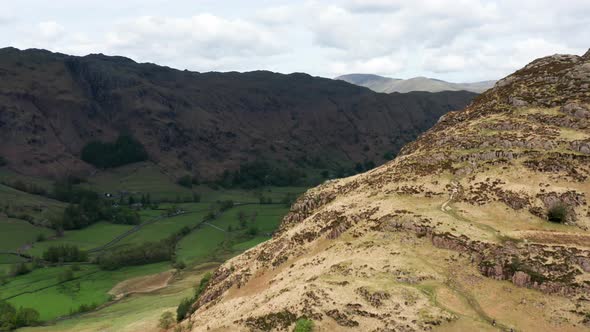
[456, 40]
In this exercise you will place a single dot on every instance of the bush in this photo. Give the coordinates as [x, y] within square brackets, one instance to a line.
[558, 213]
[166, 320]
[3, 161]
[185, 181]
[41, 237]
[303, 325]
[11, 318]
[183, 309]
[146, 253]
[66, 275]
[65, 253]
[125, 150]
[19, 269]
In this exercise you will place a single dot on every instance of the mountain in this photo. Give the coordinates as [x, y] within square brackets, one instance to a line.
[481, 224]
[388, 85]
[52, 105]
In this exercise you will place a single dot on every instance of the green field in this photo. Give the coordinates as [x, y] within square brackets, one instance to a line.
[52, 300]
[88, 238]
[163, 228]
[215, 242]
[17, 233]
[20, 203]
[138, 312]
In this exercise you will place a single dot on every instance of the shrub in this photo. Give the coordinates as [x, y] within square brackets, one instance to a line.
[64, 253]
[303, 325]
[66, 275]
[253, 230]
[166, 320]
[19, 269]
[185, 181]
[146, 253]
[558, 213]
[180, 265]
[183, 309]
[11, 318]
[41, 237]
[3, 161]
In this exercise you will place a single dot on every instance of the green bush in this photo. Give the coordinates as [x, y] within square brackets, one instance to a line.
[303, 325]
[19, 269]
[185, 181]
[125, 150]
[166, 320]
[64, 253]
[41, 237]
[183, 309]
[3, 161]
[558, 213]
[11, 318]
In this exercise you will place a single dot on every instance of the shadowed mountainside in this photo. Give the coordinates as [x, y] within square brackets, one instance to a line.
[52, 104]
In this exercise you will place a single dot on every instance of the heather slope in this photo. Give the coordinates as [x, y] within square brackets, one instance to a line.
[453, 234]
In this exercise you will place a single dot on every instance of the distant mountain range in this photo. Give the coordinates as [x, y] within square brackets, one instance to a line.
[388, 85]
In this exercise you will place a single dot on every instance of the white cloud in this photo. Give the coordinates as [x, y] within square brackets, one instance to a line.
[50, 30]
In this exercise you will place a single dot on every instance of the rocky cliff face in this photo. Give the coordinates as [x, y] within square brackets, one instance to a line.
[451, 235]
[51, 105]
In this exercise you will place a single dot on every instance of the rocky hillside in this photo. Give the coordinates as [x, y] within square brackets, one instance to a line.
[388, 85]
[453, 235]
[52, 104]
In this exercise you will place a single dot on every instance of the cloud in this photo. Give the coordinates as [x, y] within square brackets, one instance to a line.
[461, 40]
[50, 30]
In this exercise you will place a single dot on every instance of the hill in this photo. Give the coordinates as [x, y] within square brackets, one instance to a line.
[388, 85]
[53, 105]
[481, 224]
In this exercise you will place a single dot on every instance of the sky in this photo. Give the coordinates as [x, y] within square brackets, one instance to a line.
[454, 40]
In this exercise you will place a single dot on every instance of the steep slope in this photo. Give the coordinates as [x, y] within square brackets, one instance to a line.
[388, 85]
[52, 104]
[451, 235]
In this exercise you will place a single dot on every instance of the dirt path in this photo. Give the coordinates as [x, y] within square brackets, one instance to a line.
[145, 284]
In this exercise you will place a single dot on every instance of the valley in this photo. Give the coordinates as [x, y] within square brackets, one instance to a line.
[65, 294]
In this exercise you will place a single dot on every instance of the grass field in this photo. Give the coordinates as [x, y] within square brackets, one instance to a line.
[211, 243]
[162, 229]
[138, 312]
[88, 238]
[138, 178]
[19, 203]
[17, 233]
[53, 300]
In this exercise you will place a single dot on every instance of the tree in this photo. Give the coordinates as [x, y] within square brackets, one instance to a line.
[242, 219]
[185, 181]
[166, 320]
